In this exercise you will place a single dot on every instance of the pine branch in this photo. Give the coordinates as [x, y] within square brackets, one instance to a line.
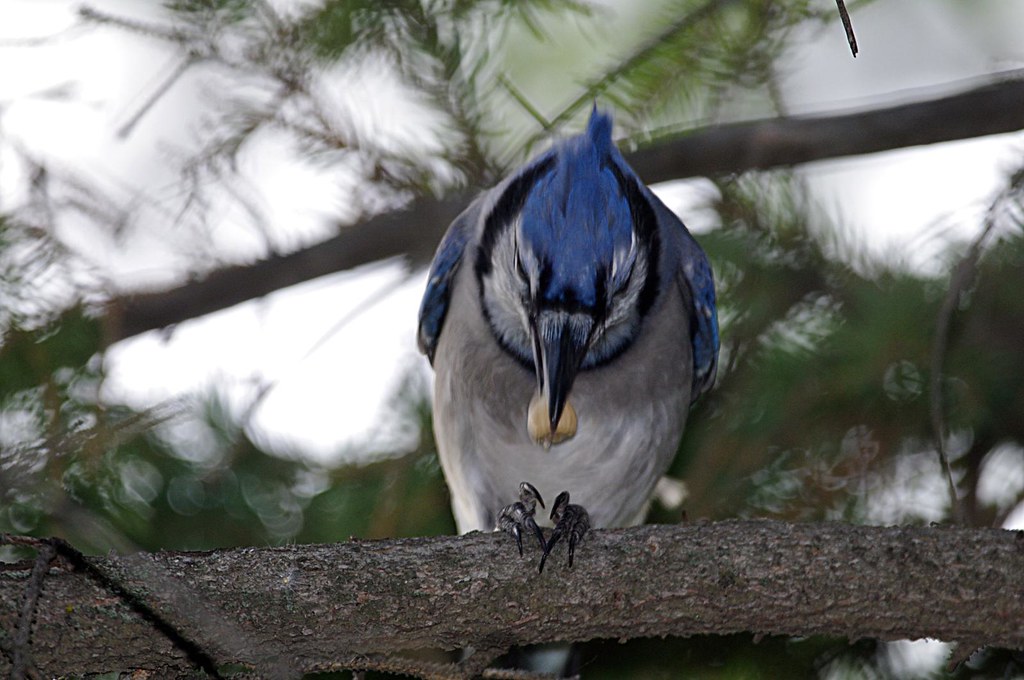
[309, 607]
[414, 232]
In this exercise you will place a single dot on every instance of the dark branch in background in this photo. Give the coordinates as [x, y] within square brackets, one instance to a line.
[313, 607]
[414, 232]
[782, 142]
[847, 26]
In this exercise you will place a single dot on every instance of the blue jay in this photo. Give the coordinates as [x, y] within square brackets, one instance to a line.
[570, 319]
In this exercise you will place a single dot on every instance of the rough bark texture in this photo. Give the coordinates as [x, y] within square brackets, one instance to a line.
[308, 606]
[414, 232]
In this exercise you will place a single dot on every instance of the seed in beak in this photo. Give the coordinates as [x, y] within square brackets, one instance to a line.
[539, 425]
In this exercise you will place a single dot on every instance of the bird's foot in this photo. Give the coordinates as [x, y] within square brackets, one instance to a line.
[570, 520]
[517, 517]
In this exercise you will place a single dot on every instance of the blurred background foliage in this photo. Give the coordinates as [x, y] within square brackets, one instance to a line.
[823, 408]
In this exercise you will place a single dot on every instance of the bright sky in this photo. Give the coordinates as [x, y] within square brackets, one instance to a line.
[333, 375]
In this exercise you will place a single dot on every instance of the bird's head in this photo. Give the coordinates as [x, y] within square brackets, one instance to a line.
[565, 267]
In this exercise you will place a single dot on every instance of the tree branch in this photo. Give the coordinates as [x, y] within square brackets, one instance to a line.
[309, 607]
[782, 142]
[414, 232]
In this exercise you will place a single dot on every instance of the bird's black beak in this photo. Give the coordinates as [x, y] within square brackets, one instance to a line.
[560, 341]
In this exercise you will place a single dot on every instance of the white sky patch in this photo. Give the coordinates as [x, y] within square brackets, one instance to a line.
[1015, 520]
[914, 658]
[690, 200]
[1002, 476]
[910, 488]
[330, 385]
[910, 203]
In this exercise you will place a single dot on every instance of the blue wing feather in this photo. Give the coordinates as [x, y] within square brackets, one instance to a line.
[694, 274]
[443, 269]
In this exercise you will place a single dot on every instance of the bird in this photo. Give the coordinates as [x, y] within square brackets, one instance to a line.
[571, 322]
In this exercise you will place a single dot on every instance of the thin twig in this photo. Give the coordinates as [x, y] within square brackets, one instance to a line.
[521, 99]
[375, 298]
[847, 26]
[21, 659]
[961, 279]
[162, 89]
[591, 92]
[49, 548]
[169, 33]
[42, 40]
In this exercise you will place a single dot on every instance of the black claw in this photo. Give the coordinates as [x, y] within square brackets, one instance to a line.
[544, 557]
[517, 532]
[569, 519]
[519, 515]
[536, 532]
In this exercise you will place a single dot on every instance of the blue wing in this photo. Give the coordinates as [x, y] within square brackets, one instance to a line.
[694, 274]
[443, 269]
[686, 266]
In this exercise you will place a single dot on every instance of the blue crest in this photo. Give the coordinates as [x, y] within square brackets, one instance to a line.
[577, 218]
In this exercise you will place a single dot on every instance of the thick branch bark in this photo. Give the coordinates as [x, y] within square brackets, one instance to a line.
[306, 606]
[414, 232]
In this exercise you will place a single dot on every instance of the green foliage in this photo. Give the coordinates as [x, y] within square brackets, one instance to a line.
[827, 367]
[182, 475]
[32, 358]
[730, 45]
